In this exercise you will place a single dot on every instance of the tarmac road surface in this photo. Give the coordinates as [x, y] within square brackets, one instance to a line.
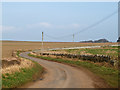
[63, 76]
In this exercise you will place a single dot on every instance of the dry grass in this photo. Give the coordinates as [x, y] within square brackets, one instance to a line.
[9, 46]
[16, 68]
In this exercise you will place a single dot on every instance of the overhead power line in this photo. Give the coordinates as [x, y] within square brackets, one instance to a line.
[55, 38]
[86, 28]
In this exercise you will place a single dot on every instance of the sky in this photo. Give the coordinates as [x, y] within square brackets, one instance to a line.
[25, 21]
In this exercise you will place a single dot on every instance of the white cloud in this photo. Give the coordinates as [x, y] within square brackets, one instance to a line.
[46, 25]
[7, 28]
[43, 24]
[39, 25]
[69, 26]
[75, 25]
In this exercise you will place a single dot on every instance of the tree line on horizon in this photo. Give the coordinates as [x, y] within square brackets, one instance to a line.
[96, 41]
[99, 41]
[118, 39]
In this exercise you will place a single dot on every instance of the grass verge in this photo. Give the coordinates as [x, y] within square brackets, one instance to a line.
[112, 52]
[110, 75]
[19, 78]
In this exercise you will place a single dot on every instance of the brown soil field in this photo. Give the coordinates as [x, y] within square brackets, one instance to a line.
[9, 46]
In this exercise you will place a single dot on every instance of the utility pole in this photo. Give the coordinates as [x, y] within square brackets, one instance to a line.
[42, 42]
[73, 37]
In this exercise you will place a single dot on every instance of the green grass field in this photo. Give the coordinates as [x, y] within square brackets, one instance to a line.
[19, 78]
[111, 51]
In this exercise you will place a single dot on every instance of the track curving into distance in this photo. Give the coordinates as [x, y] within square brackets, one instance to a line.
[62, 76]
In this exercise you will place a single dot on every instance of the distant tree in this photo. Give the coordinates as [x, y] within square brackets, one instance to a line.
[101, 41]
[90, 41]
[96, 41]
[118, 39]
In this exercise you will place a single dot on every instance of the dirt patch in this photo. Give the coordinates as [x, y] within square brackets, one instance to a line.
[98, 82]
[9, 62]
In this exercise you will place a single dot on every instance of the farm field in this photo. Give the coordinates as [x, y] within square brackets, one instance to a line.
[111, 51]
[9, 46]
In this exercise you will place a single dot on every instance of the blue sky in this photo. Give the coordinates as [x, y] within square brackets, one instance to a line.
[25, 21]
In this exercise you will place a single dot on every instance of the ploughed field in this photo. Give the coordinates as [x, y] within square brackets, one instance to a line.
[9, 46]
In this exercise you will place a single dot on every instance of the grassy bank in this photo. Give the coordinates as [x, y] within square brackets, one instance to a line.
[111, 51]
[108, 74]
[25, 75]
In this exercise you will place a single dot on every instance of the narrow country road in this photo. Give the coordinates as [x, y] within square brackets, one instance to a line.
[62, 76]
